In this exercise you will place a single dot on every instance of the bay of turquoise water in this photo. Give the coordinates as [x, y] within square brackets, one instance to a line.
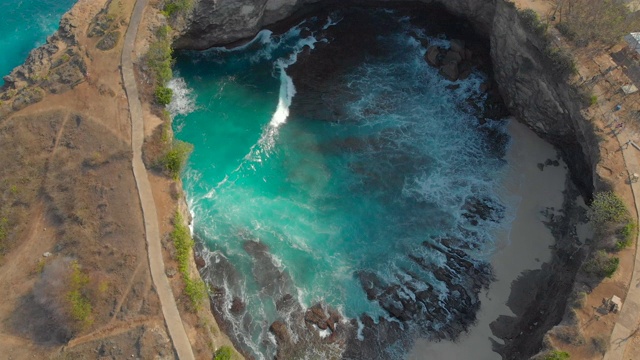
[329, 198]
[25, 25]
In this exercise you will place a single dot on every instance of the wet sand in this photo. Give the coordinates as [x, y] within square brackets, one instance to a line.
[524, 247]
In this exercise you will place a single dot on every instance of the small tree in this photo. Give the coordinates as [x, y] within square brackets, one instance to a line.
[608, 208]
[175, 159]
[224, 353]
[163, 95]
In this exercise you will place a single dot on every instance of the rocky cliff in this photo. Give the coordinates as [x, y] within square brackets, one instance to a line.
[536, 96]
[531, 88]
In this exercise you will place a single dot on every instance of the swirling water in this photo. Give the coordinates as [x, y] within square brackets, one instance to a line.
[25, 25]
[332, 199]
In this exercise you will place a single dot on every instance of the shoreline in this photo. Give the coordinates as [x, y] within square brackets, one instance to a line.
[525, 246]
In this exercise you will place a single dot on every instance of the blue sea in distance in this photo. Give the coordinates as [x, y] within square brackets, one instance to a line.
[332, 200]
[25, 25]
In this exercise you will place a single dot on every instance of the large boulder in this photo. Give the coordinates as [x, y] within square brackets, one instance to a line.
[432, 56]
[450, 71]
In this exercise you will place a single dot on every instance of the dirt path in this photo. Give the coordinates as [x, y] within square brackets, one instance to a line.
[628, 323]
[154, 247]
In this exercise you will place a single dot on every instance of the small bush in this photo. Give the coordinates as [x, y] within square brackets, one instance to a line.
[562, 61]
[569, 334]
[580, 300]
[627, 235]
[606, 208]
[224, 353]
[172, 7]
[163, 95]
[175, 159]
[557, 355]
[602, 265]
[600, 344]
[593, 100]
[531, 20]
[159, 59]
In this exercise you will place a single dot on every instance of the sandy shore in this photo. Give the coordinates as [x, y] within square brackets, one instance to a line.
[525, 246]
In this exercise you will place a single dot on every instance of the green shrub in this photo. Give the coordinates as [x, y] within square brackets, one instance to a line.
[163, 95]
[194, 288]
[562, 61]
[224, 353]
[175, 159]
[557, 355]
[627, 234]
[601, 265]
[159, 59]
[593, 100]
[172, 7]
[531, 20]
[607, 208]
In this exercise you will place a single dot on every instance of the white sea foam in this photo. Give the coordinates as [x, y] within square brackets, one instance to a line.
[183, 101]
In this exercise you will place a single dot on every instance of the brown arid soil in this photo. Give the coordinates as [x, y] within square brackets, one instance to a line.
[604, 78]
[71, 229]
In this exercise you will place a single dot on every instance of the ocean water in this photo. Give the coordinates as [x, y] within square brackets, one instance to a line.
[25, 25]
[288, 202]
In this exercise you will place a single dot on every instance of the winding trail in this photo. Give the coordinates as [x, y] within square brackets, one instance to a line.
[172, 318]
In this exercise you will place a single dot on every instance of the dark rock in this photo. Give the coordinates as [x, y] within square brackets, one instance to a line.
[457, 46]
[316, 315]
[27, 97]
[334, 318]
[200, 263]
[468, 54]
[432, 56]
[452, 57]
[109, 41]
[450, 71]
[237, 305]
[279, 329]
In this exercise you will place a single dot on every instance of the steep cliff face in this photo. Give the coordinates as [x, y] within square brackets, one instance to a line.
[225, 21]
[533, 94]
[540, 97]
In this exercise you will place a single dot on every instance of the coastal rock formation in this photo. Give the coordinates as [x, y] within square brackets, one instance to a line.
[536, 97]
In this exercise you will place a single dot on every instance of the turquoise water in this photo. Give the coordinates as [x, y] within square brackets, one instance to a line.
[25, 25]
[330, 199]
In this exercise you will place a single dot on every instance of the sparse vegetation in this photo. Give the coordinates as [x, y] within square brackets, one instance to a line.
[194, 288]
[224, 353]
[80, 306]
[557, 355]
[600, 344]
[601, 265]
[159, 61]
[593, 100]
[3, 233]
[175, 159]
[586, 21]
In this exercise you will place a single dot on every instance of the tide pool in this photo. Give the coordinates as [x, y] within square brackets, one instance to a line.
[25, 25]
[373, 205]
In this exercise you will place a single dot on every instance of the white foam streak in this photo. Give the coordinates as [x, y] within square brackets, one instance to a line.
[183, 101]
[287, 92]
